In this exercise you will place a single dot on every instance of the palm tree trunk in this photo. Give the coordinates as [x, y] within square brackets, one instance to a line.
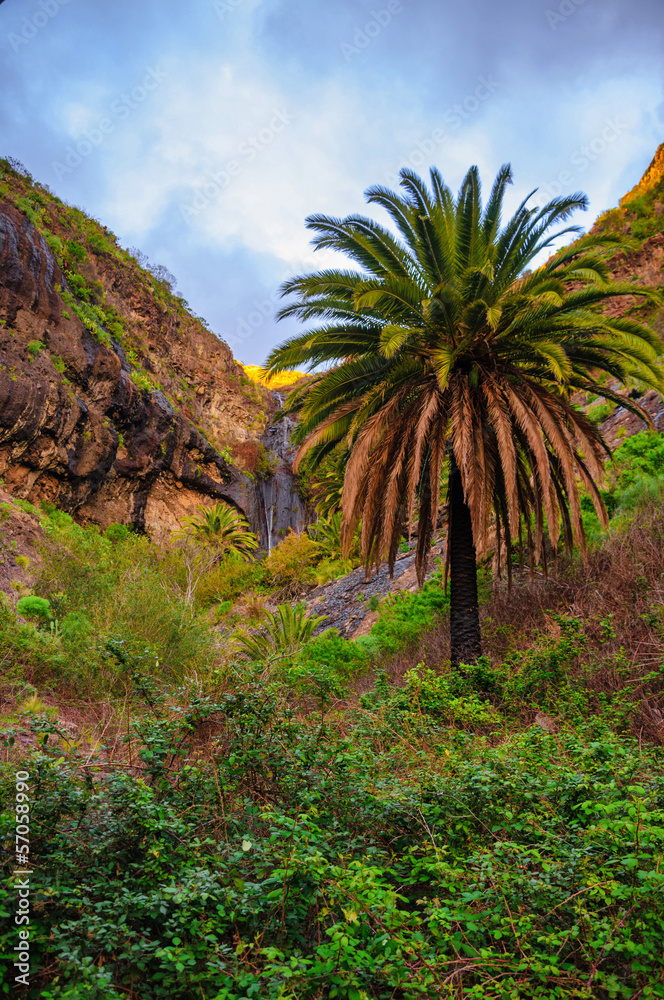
[465, 636]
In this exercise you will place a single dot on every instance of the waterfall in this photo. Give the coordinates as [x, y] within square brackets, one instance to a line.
[268, 506]
[277, 494]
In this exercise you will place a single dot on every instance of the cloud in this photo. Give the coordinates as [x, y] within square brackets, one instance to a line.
[261, 117]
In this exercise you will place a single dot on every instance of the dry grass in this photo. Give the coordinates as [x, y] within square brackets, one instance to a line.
[619, 599]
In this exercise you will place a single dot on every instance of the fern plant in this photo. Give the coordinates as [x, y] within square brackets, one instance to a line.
[283, 632]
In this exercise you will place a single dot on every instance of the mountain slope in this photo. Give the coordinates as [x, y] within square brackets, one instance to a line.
[115, 402]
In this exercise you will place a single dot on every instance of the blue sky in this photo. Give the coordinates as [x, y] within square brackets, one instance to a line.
[204, 133]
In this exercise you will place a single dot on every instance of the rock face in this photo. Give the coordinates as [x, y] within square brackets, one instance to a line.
[80, 429]
[643, 266]
[346, 602]
[279, 499]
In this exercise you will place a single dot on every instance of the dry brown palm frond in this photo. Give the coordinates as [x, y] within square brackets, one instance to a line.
[499, 415]
[438, 451]
[431, 410]
[532, 431]
[354, 490]
[552, 415]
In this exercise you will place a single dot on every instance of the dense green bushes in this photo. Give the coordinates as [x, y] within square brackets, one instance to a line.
[399, 860]
[94, 587]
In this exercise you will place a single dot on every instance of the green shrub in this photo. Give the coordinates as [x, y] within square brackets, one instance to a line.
[280, 634]
[289, 566]
[75, 252]
[118, 586]
[142, 380]
[429, 693]
[404, 617]
[536, 676]
[639, 457]
[635, 477]
[600, 412]
[332, 651]
[226, 580]
[55, 244]
[529, 870]
[332, 569]
[116, 533]
[99, 244]
[34, 607]
[26, 507]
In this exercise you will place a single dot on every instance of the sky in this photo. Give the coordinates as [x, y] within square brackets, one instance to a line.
[204, 133]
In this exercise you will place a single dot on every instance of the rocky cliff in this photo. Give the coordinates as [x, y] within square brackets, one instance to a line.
[115, 402]
[639, 217]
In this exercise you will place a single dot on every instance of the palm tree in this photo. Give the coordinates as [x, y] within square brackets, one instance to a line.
[222, 527]
[446, 360]
[282, 633]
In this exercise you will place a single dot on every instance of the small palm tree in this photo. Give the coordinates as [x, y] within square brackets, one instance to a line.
[327, 532]
[445, 360]
[327, 489]
[223, 528]
[282, 633]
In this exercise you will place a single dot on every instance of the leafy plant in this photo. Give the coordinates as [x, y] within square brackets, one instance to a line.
[34, 607]
[289, 566]
[281, 633]
[142, 380]
[223, 528]
[327, 533]
[116, 533]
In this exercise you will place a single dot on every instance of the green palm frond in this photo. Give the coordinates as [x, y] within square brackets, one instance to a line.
[281, 633]
[223, 528]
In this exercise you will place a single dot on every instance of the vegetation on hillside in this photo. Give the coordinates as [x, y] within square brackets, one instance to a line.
[87, 251]
[641, 210]
[447, 367]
